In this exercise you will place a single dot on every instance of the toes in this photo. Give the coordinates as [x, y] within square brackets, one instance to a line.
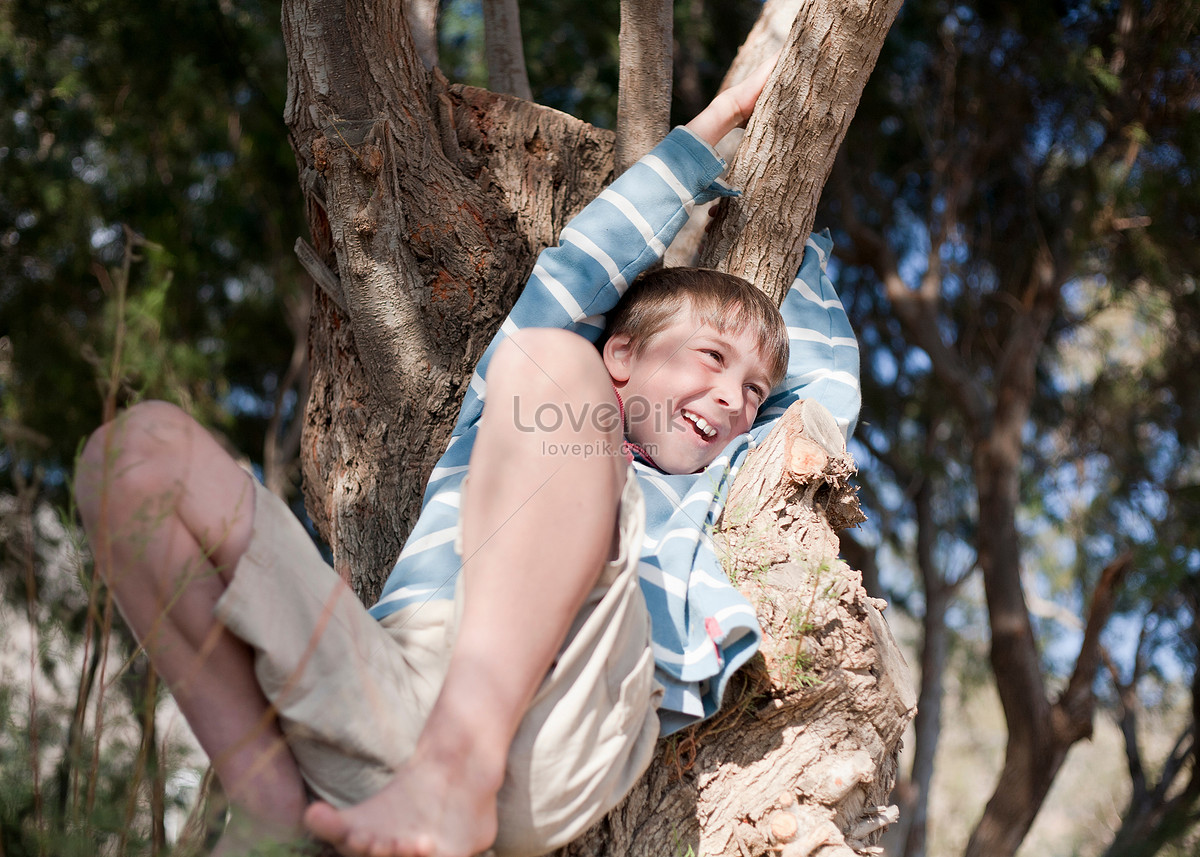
[326, 823]
[379, 846]
[360, 843]
[423, 847]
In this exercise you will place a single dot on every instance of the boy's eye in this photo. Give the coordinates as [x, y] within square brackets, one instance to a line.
[756, 391]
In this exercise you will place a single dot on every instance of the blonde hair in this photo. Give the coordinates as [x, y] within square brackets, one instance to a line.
[724, 301]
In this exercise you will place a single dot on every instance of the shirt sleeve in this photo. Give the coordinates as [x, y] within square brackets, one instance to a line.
[824, 360]
[621, 233]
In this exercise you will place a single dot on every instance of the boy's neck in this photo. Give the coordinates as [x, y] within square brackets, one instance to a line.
[630, 448]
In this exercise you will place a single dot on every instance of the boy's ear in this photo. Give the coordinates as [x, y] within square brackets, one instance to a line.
[618, 356]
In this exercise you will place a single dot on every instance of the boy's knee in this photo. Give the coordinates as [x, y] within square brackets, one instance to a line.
[557, 360]
[132, 456]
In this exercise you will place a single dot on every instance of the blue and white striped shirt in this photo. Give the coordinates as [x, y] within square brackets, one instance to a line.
[702, 628]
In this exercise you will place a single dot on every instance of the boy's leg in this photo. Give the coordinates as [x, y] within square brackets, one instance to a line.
[169, 514]
[538, 526]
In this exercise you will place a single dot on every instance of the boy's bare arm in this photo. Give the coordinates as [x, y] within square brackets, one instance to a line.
[732, 107]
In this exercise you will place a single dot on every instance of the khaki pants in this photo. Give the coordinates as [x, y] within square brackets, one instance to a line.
[353, 694]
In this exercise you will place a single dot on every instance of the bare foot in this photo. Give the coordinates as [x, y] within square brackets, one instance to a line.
[417, 814]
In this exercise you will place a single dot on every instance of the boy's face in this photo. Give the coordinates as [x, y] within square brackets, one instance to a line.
[689, 392]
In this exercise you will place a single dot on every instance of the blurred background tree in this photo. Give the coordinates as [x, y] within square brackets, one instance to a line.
[163, 118]
[1014, 204]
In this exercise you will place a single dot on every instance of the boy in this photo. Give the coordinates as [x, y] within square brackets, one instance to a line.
[513, 704]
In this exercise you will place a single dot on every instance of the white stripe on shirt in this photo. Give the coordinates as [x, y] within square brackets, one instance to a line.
[453, 499]
[478, 385]
[816, 249]
[669, 584]
[691, 656]
[408, 592]
[592, 249]
[685, 196]
[803, 334]
[809, 295]
[847, 378]
[430, 540]
[443, 472]
[635, 218]
[652, 476]
[559, 292]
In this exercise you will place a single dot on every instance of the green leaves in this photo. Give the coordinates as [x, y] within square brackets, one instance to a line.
[165, 117]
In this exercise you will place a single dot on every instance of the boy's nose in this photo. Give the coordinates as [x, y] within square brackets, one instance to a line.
[728, 396]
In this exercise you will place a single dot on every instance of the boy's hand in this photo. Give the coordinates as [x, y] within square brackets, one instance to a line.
[732, 107]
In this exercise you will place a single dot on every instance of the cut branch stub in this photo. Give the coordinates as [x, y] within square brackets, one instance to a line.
[765, 520]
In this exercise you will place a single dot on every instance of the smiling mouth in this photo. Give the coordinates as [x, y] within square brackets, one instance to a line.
[700, 423]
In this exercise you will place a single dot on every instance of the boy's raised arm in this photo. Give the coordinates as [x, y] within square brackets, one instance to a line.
[823, 362]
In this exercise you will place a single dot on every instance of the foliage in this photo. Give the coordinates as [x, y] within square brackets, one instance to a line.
[160, 118]
[148, 204]
[87, 766]
[996, 142]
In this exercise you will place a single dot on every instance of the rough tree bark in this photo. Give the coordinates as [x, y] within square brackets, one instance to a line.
[811, 98]
[427, 204]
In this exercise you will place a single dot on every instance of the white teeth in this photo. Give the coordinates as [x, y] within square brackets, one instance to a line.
[701, 423]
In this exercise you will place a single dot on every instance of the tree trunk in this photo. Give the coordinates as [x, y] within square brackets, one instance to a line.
[505, 48]
[1040, 731]
[934, 648]
[422, 17]
[644, 87]
[427, 204]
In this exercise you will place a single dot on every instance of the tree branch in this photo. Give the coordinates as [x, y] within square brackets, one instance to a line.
[918, 316]
[792, 139]
[1127, 722]
[644, 87]
[280, 448]
[1075, 707]
[505, 49]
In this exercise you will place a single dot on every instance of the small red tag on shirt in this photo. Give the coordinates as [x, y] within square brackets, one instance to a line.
[713, 627]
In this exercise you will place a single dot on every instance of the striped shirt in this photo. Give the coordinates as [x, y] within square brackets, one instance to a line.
[702, 628]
